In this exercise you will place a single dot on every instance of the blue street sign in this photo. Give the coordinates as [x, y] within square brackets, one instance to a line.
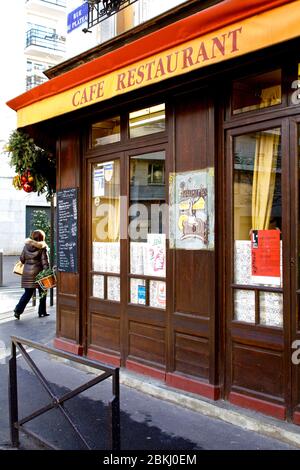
[78, 17]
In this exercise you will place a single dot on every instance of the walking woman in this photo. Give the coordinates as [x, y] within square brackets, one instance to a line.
[35, 258]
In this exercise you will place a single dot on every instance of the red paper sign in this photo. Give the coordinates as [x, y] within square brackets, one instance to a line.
[265, 251]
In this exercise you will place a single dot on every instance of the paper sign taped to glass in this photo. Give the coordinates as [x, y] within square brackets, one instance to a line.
[265, 257]
[192, 213]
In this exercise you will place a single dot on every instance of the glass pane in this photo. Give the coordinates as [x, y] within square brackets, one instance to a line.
[147, 121]
[98, 286]
[256, 92]
[106, 132]
[158, 294]
[147, 214]
[106, 217]
[244, 305]
[257, 209]
[271, 309]
[138, 291]
[113, 288]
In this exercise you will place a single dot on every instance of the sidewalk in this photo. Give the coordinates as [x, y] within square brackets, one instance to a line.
[153, 416]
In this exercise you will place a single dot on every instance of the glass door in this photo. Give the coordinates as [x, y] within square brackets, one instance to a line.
[146, 310]
[104, 258]
[257, 281]
[257, 227]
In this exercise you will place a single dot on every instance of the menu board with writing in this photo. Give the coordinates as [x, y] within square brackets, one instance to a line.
[67, 230]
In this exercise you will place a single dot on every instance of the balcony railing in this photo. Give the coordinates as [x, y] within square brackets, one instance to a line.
[48, 40]
[60, 3]
[33, 81]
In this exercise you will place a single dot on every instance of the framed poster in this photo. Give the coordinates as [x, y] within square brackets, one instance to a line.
[191, 212]
[265, 257]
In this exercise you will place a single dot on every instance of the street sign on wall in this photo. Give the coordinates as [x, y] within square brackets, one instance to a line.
[78, 17]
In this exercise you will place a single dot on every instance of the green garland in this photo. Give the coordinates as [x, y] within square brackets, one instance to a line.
[35, 167]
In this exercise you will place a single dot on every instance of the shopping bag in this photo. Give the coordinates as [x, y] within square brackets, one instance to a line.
[18, 268]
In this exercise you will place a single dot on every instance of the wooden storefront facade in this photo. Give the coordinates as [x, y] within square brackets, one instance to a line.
[206, 324]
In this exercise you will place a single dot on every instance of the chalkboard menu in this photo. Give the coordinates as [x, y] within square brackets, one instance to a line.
[67, 230]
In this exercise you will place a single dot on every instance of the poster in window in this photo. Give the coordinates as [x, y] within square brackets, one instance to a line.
[265, 257]
[191, 213]
[158, 294]
[155, 262]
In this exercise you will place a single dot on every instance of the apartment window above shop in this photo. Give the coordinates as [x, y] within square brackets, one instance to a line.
[34, 73]
[257, 92]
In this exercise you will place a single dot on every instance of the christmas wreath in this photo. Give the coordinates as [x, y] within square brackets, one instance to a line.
[35, 167]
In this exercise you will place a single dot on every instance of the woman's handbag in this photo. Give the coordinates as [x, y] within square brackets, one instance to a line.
[18, 268]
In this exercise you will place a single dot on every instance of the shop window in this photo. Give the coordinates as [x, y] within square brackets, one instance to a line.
[256, 92]
[257, 228]
[147, 121]
[106, 132]
[106, 230]
[147, 219]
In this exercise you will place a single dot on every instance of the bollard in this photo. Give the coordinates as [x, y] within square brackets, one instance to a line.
[1, 267]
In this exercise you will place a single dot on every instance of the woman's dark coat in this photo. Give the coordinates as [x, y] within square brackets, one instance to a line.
[35, 258]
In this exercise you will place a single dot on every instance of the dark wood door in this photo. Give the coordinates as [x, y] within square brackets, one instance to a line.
[126, 257]
[295, 266]
[105, 295]
[145, 260]
[258, 288]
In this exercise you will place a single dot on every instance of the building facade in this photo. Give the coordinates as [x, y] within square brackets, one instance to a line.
[45, 42]
[41, 44]
[180, 150]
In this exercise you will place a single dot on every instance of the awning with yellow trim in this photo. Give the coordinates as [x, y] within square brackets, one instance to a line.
[226, 30]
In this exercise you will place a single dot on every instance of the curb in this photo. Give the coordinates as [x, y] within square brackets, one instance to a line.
[237, 417]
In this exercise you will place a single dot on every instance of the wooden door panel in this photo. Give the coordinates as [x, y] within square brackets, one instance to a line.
[194, 296]
[147, 342]
[257, 370]
[192, 355]
[68, 299]
[104, 332]
[194, 269]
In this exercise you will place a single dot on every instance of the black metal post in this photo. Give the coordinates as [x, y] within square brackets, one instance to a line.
[13, 398]
[17, 425]
[52, 243]
[115, 412]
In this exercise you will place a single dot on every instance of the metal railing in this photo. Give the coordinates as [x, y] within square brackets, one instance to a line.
[37, 37]
[56, 402]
